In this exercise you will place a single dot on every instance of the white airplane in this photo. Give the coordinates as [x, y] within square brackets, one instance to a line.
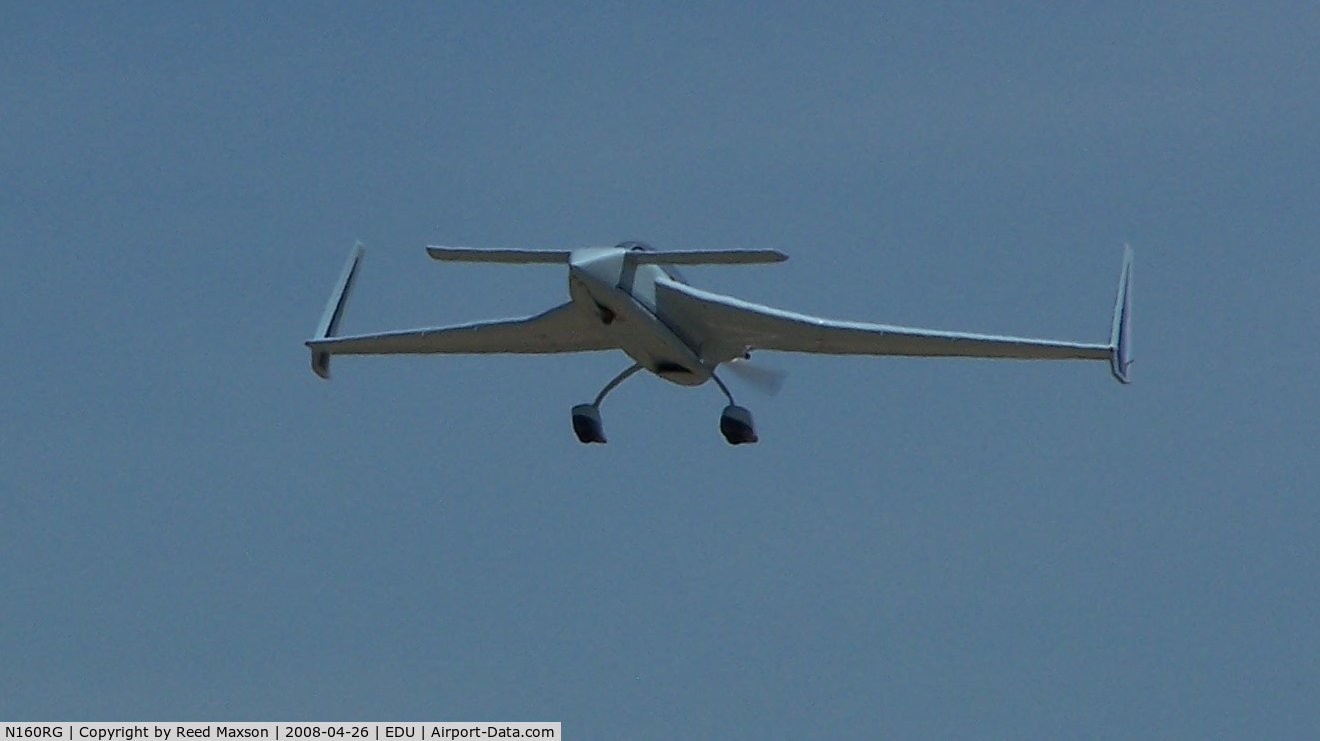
[631, 298]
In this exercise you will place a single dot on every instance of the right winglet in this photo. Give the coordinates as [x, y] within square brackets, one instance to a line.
[1120, 338]
[334, 310]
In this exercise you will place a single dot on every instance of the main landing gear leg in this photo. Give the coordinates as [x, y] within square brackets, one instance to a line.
[735, 421]
[586, 417]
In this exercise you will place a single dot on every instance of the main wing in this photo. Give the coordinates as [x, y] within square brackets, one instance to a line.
[723, 327]
[564, 328]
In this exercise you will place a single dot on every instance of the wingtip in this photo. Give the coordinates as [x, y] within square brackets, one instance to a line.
[334, 309]
[1120, 343]
[321, 364]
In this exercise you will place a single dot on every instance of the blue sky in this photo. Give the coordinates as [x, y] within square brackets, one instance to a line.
[198, 528]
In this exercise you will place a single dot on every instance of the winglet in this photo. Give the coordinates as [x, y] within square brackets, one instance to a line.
[334, 310]
[1120, 338]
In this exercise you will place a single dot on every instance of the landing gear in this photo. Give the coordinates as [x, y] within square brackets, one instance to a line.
[587, 425]
[736, 425]
[735, 421]
[586, 417]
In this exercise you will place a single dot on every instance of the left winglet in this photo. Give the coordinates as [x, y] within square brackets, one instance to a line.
[334, 310]
[1120, 339]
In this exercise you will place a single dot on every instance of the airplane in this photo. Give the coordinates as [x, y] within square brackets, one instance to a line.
[631, 297]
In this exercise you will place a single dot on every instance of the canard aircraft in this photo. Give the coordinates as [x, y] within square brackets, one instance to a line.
[631, 297]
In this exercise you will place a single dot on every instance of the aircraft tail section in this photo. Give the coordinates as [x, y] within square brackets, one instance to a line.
[334, 310]
[1120, 338]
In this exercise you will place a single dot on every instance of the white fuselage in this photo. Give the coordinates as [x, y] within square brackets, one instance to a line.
[621, 295]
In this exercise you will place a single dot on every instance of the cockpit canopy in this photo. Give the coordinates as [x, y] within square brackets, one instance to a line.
[670, 270]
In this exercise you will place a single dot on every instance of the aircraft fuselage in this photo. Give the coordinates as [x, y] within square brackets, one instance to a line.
[621, 295]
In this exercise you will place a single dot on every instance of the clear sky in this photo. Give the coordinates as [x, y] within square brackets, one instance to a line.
[195, 527]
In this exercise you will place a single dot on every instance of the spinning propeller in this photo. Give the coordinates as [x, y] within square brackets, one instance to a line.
[763, 378]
